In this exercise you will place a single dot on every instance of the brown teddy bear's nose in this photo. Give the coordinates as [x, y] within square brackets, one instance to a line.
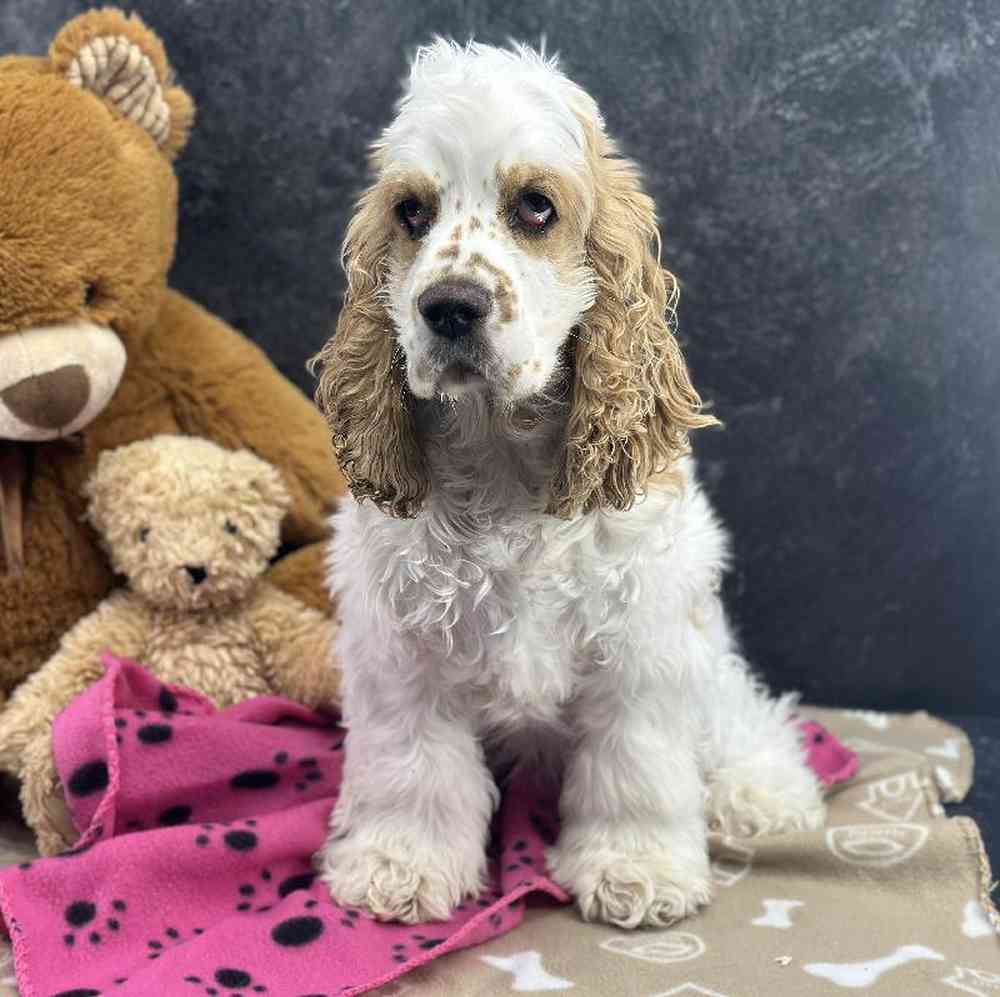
[49, 401]
[197, 572]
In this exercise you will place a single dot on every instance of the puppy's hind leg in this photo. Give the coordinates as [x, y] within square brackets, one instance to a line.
[755, 762]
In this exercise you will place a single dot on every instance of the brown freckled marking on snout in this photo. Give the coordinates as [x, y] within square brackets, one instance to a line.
[474, 223]
[515, 372]
[449, 252]
[503, 293]
[505, 302]
[456, 233]
[478, 260]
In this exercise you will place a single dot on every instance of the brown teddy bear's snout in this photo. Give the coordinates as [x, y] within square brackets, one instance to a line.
[51, 400]
[56, 379]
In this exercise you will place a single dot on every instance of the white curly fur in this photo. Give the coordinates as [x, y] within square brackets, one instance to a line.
[485, 632]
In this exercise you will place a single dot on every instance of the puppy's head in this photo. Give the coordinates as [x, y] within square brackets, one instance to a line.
[505, 248]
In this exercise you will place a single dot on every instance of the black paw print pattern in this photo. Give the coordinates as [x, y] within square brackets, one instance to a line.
[241, 837]
[295, 932]
[522, 860]
[87, 924]
[171, 936]
[89, 778]
[543, 827]
[229, 981]
[301, 774]
[153, 728]
[405, 951]
[517, 859]
[250, 895]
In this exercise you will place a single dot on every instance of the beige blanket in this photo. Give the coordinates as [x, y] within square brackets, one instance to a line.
[891, 898]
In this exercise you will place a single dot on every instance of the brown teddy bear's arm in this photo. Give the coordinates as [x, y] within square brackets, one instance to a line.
[225, 388]
[119, 624]
[298, 644]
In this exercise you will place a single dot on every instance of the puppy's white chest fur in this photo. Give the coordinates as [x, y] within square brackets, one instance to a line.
[528, 669]
[504, 614]
[487, 614]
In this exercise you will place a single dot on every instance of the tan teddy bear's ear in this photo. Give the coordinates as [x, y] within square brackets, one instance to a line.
[114, 470]
[264, 480]
[123, 62]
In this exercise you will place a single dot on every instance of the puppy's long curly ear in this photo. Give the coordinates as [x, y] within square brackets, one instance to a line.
[633, 402]
[362, 390]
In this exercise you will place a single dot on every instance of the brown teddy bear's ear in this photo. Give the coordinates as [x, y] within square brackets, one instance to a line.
[124, 63]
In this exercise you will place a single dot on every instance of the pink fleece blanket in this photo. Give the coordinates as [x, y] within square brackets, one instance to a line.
[193, 874]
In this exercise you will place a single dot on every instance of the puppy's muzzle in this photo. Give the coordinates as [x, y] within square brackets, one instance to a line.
[455, 308]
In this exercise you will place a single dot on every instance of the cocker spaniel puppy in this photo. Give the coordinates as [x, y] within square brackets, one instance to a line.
[534, 578]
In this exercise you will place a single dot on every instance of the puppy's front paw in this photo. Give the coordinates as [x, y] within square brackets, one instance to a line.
[397, 879]
[651, 888]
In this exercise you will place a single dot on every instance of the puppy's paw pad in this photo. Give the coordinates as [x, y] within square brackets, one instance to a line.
[744, 809]
[648, 892]
[390, 887]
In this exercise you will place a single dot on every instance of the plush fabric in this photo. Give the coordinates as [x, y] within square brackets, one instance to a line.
[213, 818]
[88, 214]
[826, 181]
[190, 528]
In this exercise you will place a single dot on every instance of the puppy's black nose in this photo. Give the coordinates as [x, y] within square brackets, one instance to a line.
[197, 573]
[453, 308]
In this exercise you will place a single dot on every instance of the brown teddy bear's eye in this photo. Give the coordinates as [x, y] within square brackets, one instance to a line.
[90, 292]
[231, 527]
[143, 534]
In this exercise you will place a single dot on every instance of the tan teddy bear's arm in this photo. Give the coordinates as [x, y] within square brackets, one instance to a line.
[298, 644]
[225, 388]
[119, 624]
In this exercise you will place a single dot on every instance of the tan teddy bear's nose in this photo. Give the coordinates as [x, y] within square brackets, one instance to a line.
[197, 573]
[49, 401]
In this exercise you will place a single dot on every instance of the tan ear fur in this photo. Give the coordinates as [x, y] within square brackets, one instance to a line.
[258, 480]
[119, 59]
[362, 389]
[633, 401]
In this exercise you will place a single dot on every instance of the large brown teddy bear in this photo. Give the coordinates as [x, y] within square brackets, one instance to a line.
[95, 350]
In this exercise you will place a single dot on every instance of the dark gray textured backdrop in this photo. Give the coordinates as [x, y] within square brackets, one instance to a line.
[829, 179]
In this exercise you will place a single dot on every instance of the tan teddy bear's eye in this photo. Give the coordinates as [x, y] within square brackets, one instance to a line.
[231, 527]
[90, 293]
[143, 534]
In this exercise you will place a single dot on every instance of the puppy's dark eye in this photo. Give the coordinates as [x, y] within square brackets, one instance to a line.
[415, 216]
[231, 528]
[143, 534]
[535, 211]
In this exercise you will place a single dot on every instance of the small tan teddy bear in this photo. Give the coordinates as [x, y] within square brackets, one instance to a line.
[191, 527]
